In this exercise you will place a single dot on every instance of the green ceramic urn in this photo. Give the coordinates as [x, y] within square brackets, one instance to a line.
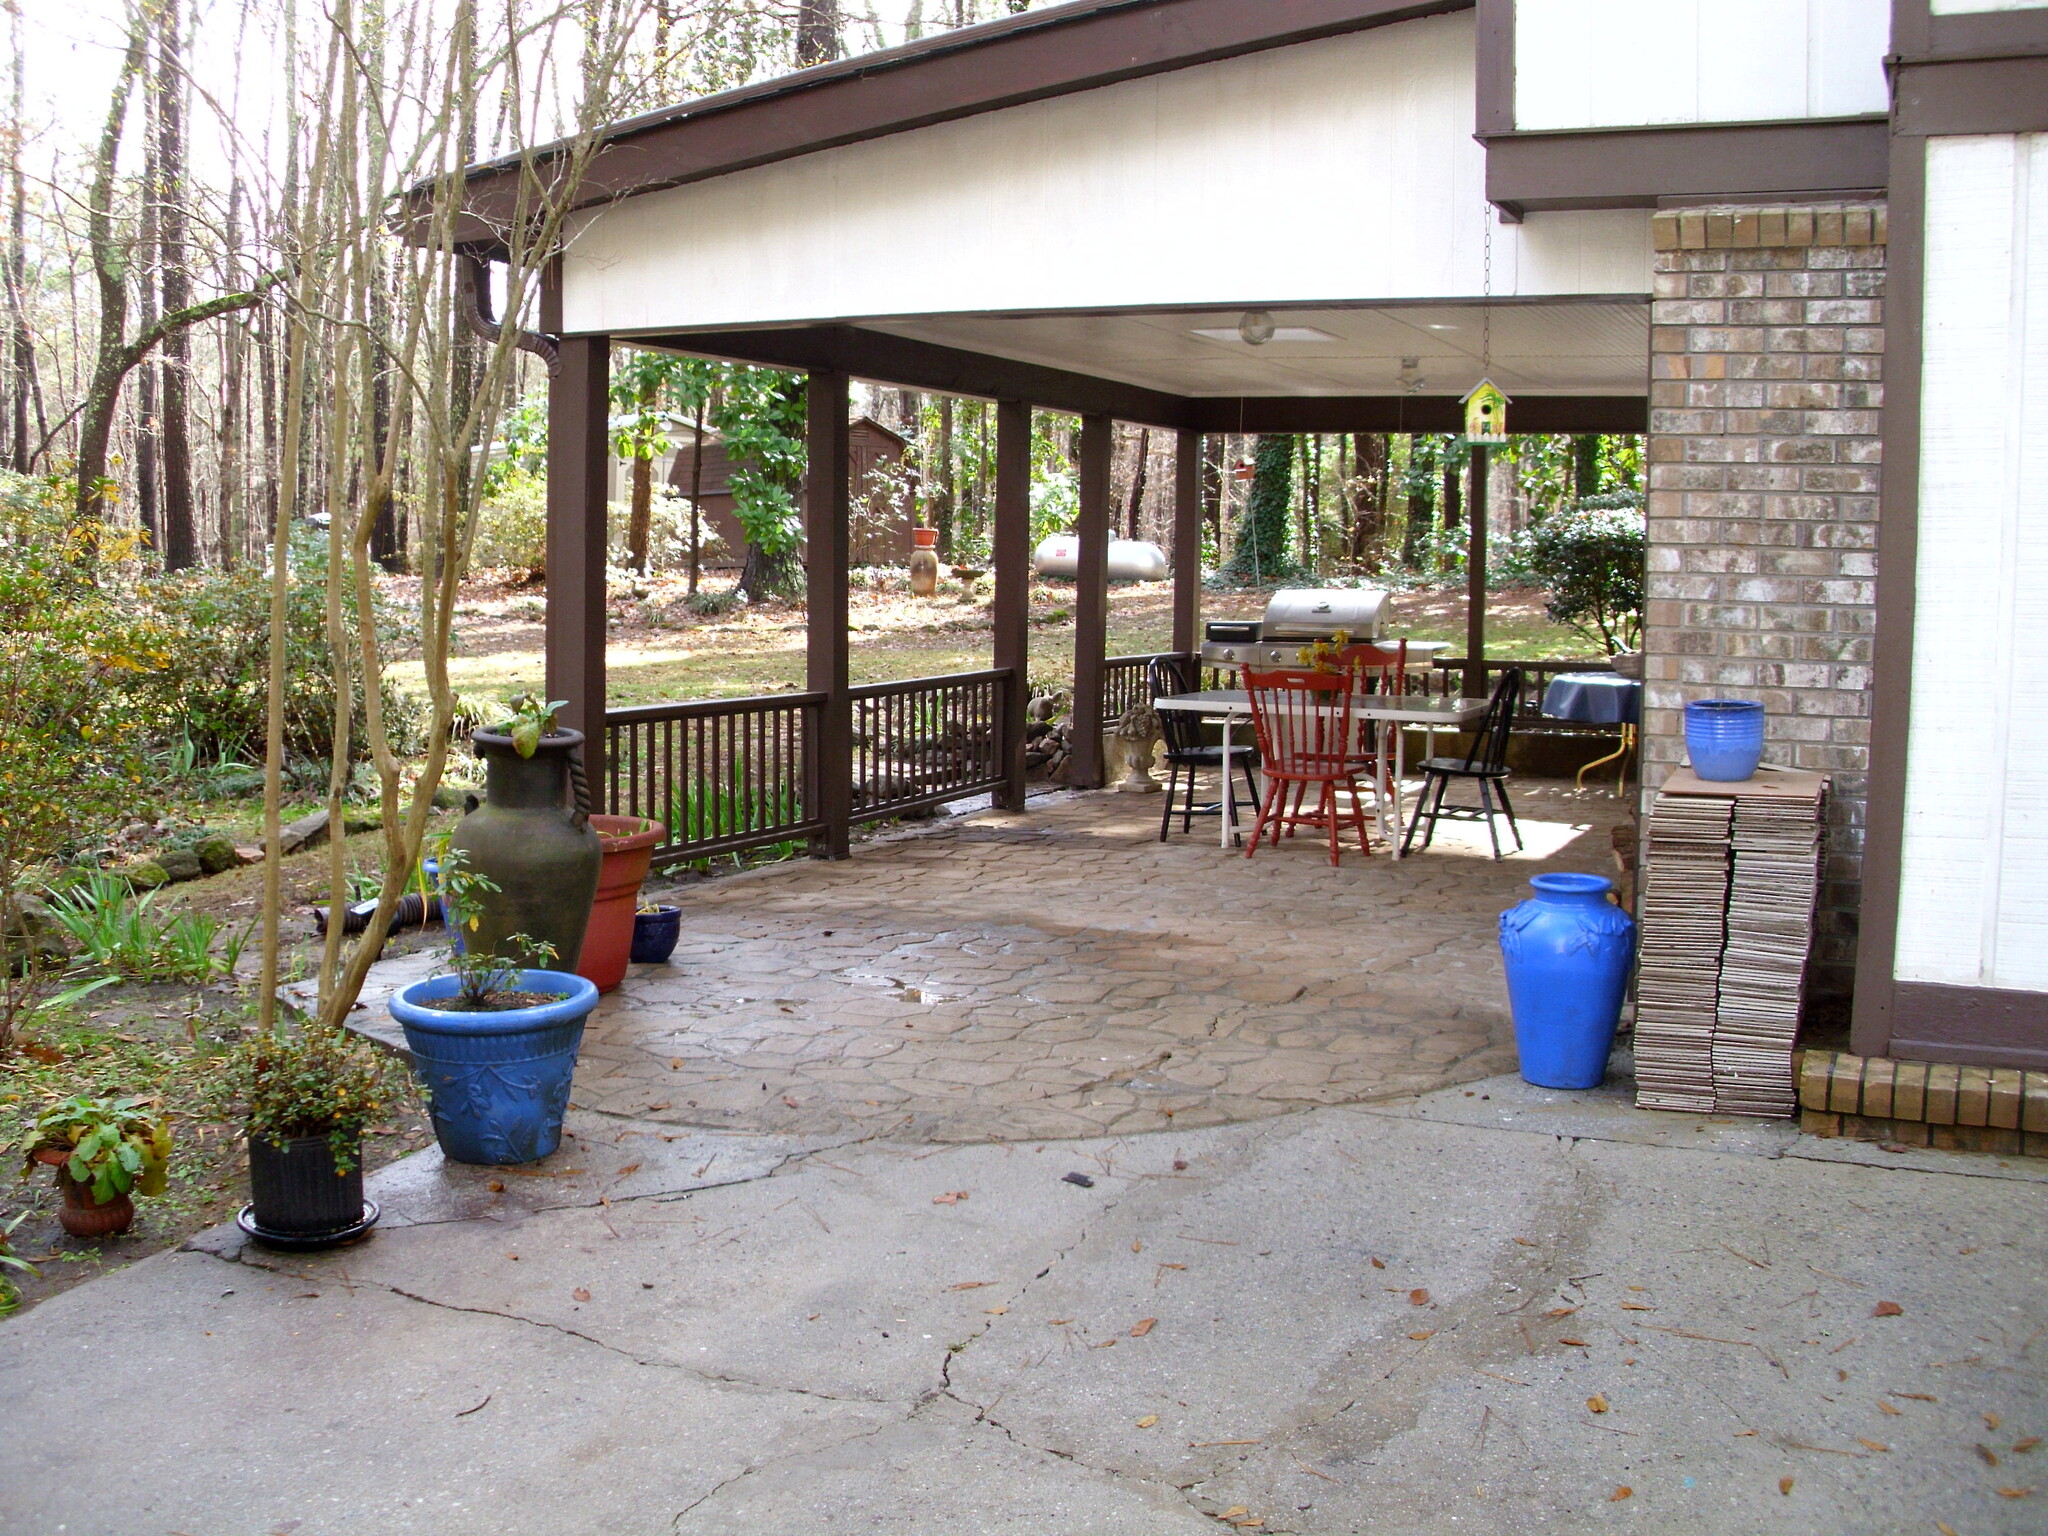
[532, 838]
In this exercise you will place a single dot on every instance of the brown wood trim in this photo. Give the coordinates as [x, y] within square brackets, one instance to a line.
[1636, 167]
[1979, 1026]
[1010, 615]
[887, 359]
[1187, 540]
[1898, 540]
[1091, 604]
[1494, 43]
[1977, 35]
[2001, 95]
[827, 536]
[1414, 413]
[952, 75]
[579, 407]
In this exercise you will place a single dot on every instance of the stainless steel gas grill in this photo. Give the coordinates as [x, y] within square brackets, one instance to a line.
[1298, 615]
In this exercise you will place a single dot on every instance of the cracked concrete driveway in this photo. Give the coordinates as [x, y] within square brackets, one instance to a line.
[1489, 1309]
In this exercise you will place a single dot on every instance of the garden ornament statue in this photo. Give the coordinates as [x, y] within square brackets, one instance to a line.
[1138, 730]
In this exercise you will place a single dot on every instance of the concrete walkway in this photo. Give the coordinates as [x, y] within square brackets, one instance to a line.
[1489, 1309]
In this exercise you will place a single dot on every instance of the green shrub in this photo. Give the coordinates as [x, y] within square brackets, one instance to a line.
[318, 1081]
[512, 523]
[209, 679]
[1591, 561]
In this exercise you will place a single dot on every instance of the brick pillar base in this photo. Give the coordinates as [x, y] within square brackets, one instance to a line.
[1767, 366]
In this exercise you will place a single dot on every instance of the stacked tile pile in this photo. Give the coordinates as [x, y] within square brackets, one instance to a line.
[1727, 925]
[1684, 930]
[1771, 895]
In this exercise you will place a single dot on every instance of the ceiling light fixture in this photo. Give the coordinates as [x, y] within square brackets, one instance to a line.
[1410, 377]
[1255, 327]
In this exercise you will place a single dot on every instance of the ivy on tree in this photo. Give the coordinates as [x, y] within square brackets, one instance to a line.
[1261, 553]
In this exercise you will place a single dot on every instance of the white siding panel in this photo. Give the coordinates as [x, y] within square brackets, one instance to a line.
[1973, 907]
[1640, 63]
[1186, 188]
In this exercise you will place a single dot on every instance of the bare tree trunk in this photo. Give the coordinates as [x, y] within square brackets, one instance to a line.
[235, 346]
[817, 32]
[942, 503]
[1212, 486]
[697, 490]
[1138, 482]
[640, 525]
[21, 344]
[148, 386]
[180, 531]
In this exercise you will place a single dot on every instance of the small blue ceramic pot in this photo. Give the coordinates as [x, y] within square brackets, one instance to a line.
[655, 934]
[1724, 738]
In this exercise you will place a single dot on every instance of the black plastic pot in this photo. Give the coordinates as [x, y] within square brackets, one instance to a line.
[298, 1200]
[655, 934]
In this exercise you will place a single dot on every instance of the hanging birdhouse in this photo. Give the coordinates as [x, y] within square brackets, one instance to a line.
[1243, 469]
[1486, 414]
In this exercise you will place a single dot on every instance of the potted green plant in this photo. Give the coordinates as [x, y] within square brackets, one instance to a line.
[494, 1039]
[10, 1293]
[305, 1098]
[104, 1150]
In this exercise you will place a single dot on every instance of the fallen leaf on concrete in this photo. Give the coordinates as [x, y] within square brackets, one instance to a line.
[1233, 1512]
[1528, 1242]
[1785, 1486]
[1143, 1326]
[970, 1285]
[1888, 1309]
[1872, 1445]
[496, 1186]
[1560, 1311]
[675, 1063]
[1427, 1333]
[1918, 1397]
[1148, 1421]
[1623, 1492]
[1081, 1179]
[1575, 1343]
[952, 1197]
[1885, 1407]
[2021, 1447]
[1418, 1297]
[1105, 1344]
[580, 1294]
[1057, 1322]
[995, 1311]
[1136, 1246]
[792, 1103]
[1597, 1403]
[1180, 1165]
[1945, 1528]
[1986, 1455]
[629, 1168]
[1636, 1306]
[2015, 1493]
[1379, 1263]
[1250, 1523]
[1991, 1421]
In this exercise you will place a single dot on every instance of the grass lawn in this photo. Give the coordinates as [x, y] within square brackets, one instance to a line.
[659, 650]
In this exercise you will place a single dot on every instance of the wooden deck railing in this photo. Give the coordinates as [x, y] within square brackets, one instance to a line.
[723, 775]
[926, 741]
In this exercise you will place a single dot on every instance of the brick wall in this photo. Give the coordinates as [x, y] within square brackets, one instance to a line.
[1767, 366]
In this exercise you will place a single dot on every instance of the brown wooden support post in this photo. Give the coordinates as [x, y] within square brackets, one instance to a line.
[1187, 541]
[1091, 604]
[579, 440]
[1010, 547]
[1475, 580]
[826, 534]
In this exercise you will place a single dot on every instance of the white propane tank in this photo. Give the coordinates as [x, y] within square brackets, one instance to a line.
[1129, 559]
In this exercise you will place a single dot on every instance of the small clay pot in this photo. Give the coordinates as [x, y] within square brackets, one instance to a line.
[81, 1215]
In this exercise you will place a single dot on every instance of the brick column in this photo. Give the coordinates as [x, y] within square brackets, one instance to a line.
[1767, 359]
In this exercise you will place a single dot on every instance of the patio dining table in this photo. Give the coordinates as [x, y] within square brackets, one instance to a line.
[1390, 712]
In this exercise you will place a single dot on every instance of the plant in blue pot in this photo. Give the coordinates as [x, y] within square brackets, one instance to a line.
[1567, 951]
[494, 1041]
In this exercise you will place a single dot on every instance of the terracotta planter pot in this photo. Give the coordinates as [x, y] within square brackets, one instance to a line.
[629, 843]
[81, 1215]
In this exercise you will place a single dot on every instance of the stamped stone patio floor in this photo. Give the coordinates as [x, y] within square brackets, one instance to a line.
[1062, 973]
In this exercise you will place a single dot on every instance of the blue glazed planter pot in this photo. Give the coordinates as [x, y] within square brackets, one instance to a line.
[1724, 738]
[1567, 951]
[498, 1082]
[655, 934]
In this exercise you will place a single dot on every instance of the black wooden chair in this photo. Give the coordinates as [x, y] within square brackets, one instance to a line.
[1486, 763]
[1186, 751]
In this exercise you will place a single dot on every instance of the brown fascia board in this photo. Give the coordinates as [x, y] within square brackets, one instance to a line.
[1641, 167]
[1955, 96]
[906, 363]
[1973, 35]
[957, 74]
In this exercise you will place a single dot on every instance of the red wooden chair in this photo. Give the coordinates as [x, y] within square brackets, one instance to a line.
[1305, 732]
[1381, 669]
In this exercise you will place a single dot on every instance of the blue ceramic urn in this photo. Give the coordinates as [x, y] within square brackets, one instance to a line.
[1724, 738]
[1567, 951]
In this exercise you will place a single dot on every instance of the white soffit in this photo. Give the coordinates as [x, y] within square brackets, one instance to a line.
[1337, 170]
[1537, 349]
